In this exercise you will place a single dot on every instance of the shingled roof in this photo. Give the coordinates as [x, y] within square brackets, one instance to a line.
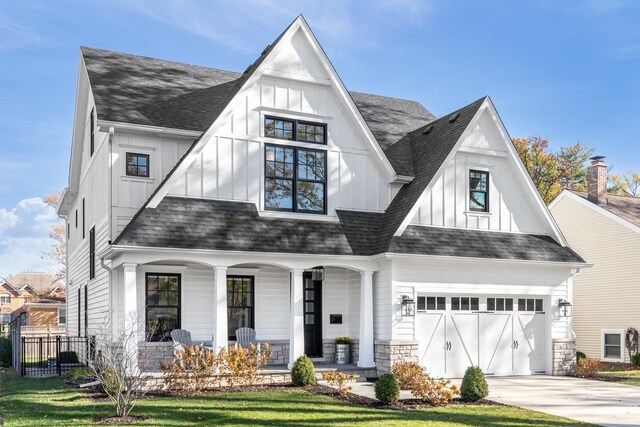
[626, 207]
[147, 91]
[186, 223]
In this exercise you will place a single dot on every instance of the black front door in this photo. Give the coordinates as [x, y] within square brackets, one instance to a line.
[312, 316]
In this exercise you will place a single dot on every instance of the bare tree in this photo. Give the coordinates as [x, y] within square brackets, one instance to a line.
[116, 364]
[57, 252]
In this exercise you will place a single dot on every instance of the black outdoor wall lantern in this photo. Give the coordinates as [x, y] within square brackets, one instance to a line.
[564, 308]
[408, 306]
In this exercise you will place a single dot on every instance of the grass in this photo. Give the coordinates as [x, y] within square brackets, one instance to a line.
[622, 376]
[29, 402]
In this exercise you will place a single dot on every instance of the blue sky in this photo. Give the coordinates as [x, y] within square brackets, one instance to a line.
[566, 70]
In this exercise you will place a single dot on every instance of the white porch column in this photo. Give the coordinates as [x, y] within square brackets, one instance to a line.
[366, 359]
[130, 315]
[220, 332]
[296, 310]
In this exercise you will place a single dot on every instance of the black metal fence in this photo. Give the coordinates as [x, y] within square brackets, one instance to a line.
[47, 356]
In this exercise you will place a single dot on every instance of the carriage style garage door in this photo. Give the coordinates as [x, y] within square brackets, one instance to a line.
[502, 335]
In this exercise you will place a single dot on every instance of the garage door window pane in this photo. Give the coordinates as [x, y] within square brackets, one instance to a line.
[522, 304]
[491, 304]
[441, 303]
[539, 306]
[431, 303]
[464, 303]
[500, 304]
[508, 304]
[455, 303]
[475, 304]
[530, 305]
[421, 303]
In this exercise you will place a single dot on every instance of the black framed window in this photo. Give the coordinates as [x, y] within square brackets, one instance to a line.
[83, 218]
[162, 304]
[240, 304]
[295, 130]
[295, 179]
[479, 191]
[92, 253]
[465, 303]
[431, 303]
[76, 218]
[92, 139]
[500, 304]
[79, 313]
[138, 164]
[530, 304]
[86, 311]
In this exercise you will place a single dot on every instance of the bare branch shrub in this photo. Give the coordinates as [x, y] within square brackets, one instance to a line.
[189, 371]
[242, 364]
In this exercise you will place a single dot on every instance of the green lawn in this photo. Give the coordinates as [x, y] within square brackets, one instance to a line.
[623, 377]
[35, 402]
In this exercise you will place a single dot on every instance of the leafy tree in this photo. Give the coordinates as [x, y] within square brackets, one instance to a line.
[57, 252]
[625, 184]
[571, 162]
[542, 165]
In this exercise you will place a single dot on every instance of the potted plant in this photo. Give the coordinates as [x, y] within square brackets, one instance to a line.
[343, 350]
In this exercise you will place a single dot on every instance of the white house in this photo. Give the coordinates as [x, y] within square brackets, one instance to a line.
[276, 199]
[605, 230]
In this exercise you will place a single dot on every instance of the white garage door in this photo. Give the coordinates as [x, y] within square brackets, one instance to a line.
[502, 335]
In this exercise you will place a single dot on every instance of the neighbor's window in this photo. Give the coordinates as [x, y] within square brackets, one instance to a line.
[6, 318]
[295, 179]
[479, 191]
[163, 305]
[62, 316]
[138, 164]
[431, 303]
[240, 303]
[612, 345]
[465, 303]
[295, 130]
[5, 299]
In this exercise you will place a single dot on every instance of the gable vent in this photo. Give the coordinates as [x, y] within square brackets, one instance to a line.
[427, 129]
[454, 117]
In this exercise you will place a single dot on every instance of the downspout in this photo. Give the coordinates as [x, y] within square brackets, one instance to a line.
[112, 299]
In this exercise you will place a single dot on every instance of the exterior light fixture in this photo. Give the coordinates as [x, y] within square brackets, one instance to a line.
[317, 274]
[564, 308]
[408, 306]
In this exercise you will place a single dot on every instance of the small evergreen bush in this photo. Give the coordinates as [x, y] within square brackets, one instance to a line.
[387, 389]
[303, 373]
[580, 355]
[635, 359]
[5, 352]
[474, 385]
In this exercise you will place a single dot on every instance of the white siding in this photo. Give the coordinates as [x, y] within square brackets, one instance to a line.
[341, 295]
[272, 303]
[606, 295]
[511, 205]
[382, 303]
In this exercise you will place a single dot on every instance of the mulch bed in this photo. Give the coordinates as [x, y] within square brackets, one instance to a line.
[120, 420]
[610, 366]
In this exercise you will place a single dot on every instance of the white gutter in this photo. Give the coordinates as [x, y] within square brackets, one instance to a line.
[146, 128]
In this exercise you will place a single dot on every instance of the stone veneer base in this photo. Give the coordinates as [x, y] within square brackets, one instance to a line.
[564, 356]
[387, 353]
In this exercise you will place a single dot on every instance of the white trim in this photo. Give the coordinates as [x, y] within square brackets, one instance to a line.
[585, 202]
[148, 129]
[298, 215]
[604, 332]
[393, 255]
[242, 271]
[296, 77]
[483, 151]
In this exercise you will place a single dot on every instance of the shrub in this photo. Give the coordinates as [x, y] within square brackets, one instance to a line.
[387, 388]
[242, 364]
[110, 383]
[339, 379]
[343, 340]
[474, 385]
[635, 359]
[436, 391]
[189, 370]
[588, 368]
[5, 352]
[303, 373]
[78, 373]
[580, 355]
[407, 374]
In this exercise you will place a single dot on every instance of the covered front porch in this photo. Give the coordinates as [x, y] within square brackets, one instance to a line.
[297, 305]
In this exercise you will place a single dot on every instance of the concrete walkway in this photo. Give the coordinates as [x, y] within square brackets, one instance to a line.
[597, 402]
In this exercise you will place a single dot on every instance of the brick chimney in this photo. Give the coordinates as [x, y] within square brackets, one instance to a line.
[597, 180]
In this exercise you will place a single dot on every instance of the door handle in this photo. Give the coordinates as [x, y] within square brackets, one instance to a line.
[516, 344]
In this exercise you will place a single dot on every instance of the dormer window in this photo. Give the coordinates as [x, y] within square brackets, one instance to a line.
[478, 191]
[295, 179]
[295, 130]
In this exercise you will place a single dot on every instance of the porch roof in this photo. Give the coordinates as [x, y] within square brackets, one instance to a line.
[189, 223]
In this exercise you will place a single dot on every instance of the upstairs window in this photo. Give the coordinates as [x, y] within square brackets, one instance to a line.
[5, 299]
[478, 191]
[295, 130]
[138, 165]
[91, 132]
[92, 253]
[295, 179]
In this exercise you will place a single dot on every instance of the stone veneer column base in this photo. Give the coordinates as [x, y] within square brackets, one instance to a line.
[564, 356]
[387, 353]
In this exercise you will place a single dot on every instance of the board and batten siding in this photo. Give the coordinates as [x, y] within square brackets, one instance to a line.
[131, 192]
[511, 207]
[605, 296]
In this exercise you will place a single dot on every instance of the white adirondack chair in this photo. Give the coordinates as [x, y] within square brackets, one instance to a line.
[245, 337]
[181, 337]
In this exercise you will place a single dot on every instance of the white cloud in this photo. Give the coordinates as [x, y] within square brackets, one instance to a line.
[24, 235]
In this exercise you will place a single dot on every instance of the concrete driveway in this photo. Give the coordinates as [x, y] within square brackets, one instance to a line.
[597, 402]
